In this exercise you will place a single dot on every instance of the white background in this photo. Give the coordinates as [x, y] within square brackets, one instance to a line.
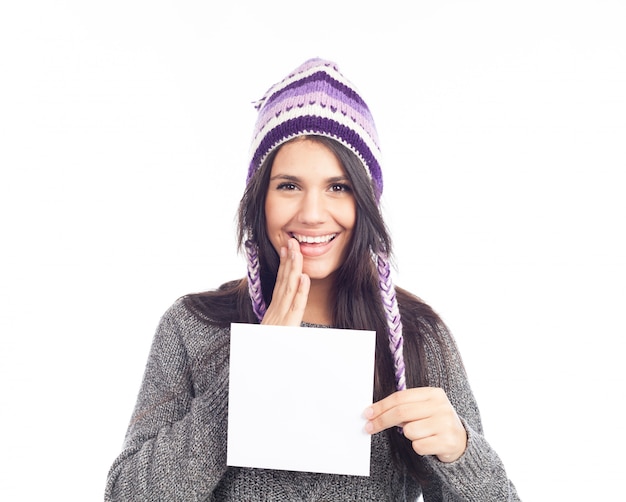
[124, 132]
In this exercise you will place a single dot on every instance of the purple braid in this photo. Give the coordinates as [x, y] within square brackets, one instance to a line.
[392, 312]
[254, 280]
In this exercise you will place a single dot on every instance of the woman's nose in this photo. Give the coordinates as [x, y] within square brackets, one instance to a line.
[312, 209]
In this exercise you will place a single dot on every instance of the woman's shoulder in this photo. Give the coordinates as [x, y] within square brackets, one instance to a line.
[217, 307]
[421, 320]
[182, 319]
[413, 308]
[183, 330]
[426, 333]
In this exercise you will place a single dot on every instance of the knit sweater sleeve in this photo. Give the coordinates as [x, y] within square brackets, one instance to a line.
[174, 447]
[479, 474]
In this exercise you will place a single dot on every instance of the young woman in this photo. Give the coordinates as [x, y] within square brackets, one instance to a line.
[318, 254]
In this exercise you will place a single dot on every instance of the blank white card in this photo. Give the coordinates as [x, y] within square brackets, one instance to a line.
[296, 398]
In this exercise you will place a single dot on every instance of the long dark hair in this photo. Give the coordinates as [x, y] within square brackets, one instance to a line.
[357, 302]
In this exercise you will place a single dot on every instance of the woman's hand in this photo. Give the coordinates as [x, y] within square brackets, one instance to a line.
[291, 290]
[427, 419]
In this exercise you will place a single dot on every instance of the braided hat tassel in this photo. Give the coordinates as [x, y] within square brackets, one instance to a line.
[254, 280]
[394, 322]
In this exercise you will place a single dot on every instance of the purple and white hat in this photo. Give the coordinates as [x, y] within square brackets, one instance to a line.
[316, 99]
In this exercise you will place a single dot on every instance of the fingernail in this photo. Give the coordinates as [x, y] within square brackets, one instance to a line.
[283, 252]
[369, 427]
[369, 412]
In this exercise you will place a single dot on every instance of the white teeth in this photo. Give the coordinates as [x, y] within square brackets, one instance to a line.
[314, 240]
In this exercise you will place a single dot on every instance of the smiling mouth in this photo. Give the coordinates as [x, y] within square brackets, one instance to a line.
[310, 239]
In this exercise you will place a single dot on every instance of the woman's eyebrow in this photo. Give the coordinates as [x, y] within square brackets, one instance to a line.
[286, 177]
[289, 177]
[338, 179]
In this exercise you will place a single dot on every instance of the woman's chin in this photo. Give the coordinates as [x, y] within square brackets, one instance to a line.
[318, 273]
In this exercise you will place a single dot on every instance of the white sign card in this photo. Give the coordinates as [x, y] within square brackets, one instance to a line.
[296, 398]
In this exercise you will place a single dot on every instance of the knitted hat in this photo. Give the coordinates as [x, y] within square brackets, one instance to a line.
[317, 99]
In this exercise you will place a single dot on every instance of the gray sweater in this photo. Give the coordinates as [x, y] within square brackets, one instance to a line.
[175, 446]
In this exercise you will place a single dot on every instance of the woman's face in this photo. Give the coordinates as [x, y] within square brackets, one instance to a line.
[310, 198]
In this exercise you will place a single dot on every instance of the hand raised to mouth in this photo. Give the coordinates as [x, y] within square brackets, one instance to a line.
[291, 290]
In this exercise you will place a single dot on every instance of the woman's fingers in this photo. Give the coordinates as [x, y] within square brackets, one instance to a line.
[289, 273]
[291, 290]
[298, 304]
[442, 435]
[397, 409]
[427, 418]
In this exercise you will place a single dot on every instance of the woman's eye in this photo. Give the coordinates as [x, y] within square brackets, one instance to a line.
[340, 187]
[286, 186]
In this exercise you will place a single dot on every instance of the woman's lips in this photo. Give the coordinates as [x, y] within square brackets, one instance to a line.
[313, 239]
[313, 246]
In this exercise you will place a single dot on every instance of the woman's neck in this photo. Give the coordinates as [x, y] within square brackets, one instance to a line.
[319, 304]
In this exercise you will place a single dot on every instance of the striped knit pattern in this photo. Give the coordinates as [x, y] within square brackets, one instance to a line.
[316, 99]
